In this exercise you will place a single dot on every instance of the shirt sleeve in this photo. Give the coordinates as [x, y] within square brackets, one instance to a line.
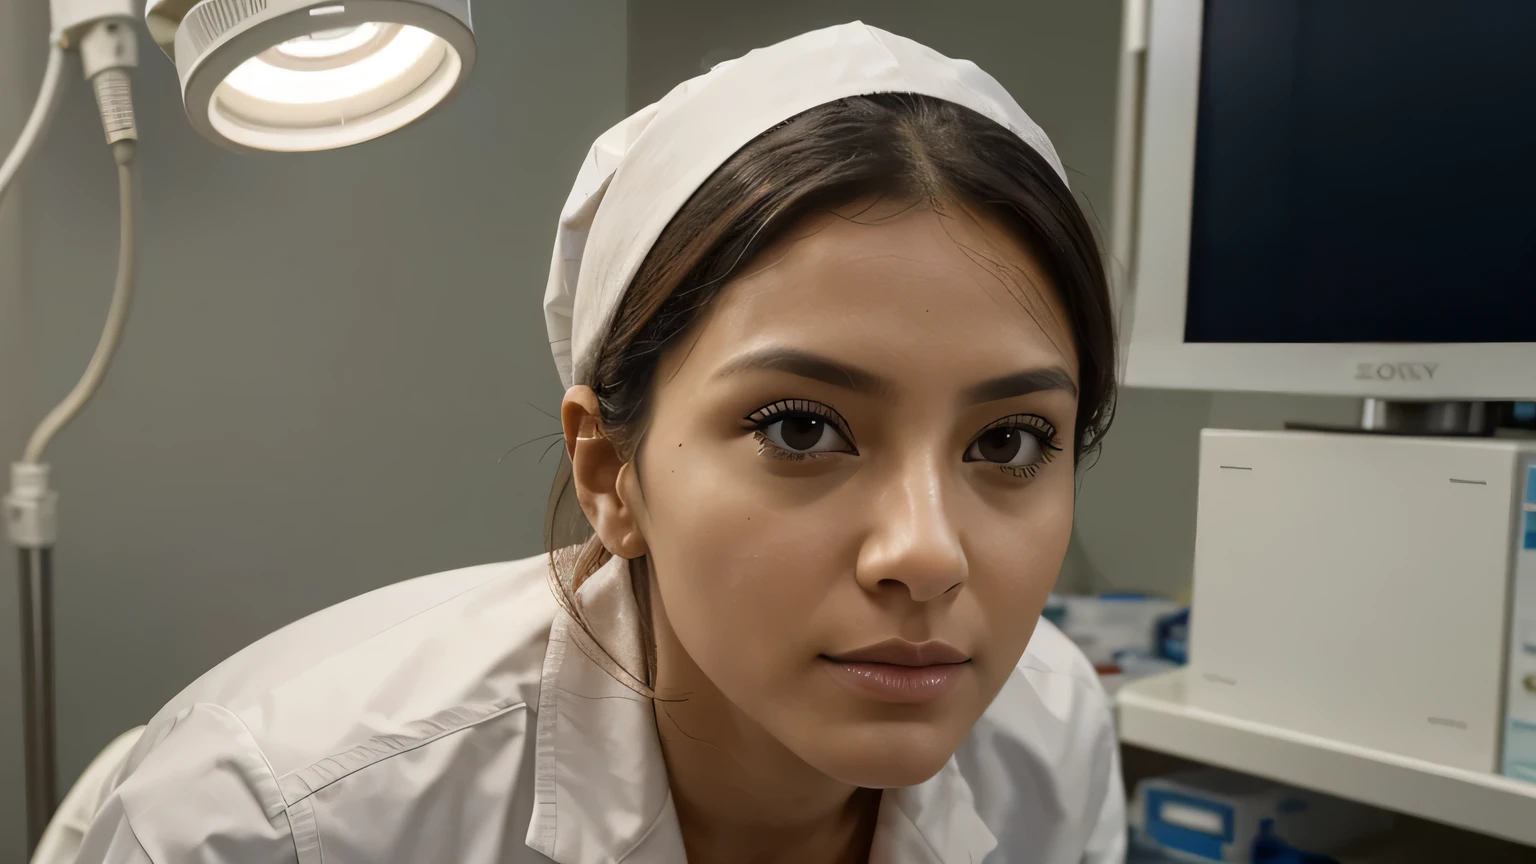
[205, 794]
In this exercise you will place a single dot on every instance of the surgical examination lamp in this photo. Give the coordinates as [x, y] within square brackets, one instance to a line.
[256, 75]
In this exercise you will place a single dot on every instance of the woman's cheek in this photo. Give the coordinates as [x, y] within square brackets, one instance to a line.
[1016, 562]
[741, 576]
[760, 564]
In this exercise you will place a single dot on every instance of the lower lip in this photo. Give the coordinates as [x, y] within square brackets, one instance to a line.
[889, 683]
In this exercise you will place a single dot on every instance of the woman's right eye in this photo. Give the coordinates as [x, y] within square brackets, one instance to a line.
[798, 429]
[804, 433]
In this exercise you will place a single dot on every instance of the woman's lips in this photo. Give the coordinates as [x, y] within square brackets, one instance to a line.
[890, 683]
[899, 671]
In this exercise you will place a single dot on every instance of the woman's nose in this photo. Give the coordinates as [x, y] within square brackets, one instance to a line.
[915, 545]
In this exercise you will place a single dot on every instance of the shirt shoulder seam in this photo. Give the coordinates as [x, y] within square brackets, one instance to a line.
[302, 783]
[134, 833]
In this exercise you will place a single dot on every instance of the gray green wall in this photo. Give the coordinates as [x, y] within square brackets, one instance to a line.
[329, 356]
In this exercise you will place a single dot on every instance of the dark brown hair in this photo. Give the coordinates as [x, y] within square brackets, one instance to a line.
[896, 145]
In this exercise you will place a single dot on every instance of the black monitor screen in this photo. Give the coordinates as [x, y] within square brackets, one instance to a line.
[1365, 172]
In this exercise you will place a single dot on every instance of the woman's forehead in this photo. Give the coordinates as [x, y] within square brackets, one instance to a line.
[919, 288]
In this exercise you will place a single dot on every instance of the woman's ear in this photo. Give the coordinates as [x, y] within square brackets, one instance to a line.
[603, 487]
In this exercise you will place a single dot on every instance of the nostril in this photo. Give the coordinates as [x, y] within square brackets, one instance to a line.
[921, 587]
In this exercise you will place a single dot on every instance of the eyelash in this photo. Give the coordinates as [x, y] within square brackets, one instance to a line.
[784, 409]
[1032, 424]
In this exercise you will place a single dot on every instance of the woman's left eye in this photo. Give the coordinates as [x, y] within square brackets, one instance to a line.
[1015, 444]
[1004, 447]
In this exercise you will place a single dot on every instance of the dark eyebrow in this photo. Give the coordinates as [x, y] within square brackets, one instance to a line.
[811, 366]
[1022, 384]
[818, 368]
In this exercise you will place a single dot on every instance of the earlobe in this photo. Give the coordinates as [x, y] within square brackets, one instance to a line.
[633, 544]
[598, 469]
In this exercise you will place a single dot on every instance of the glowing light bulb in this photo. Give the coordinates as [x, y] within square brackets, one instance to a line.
[399, 64]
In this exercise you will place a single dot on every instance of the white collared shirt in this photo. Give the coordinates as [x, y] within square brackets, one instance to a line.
[455, 718]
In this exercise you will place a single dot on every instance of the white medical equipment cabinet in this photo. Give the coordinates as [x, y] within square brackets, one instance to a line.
[1362, 588]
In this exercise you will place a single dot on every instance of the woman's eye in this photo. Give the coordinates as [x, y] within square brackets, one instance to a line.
[804, 433]
[1005, 445]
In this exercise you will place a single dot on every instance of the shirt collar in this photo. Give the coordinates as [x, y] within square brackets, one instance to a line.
[600, 781]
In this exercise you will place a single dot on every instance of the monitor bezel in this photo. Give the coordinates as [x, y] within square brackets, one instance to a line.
[1158, 354]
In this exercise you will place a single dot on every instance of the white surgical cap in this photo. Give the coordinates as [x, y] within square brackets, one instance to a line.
[642, 171]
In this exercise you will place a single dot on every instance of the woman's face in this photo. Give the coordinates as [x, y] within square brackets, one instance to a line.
[856, 486]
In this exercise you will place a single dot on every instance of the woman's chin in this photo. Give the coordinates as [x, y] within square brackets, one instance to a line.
[884, 758]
